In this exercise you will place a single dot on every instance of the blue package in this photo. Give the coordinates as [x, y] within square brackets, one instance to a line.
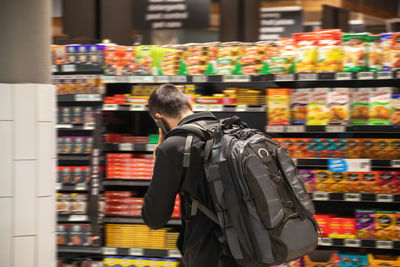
[352, 260]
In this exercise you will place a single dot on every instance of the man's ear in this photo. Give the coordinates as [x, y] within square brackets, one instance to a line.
[158, 116]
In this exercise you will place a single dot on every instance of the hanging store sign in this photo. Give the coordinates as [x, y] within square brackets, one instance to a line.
[171, 14]
[279, 22]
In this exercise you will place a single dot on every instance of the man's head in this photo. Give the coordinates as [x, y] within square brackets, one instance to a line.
[168, 103]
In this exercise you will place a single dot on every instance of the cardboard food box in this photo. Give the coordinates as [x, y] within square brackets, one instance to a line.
[385, 225]
[352, 260]
[299, 99]
[365, 224]
[383, 260]
[380, 99]
[278, 106]
[317, 111]
[360, 106]
[338, 106]
[321, 258]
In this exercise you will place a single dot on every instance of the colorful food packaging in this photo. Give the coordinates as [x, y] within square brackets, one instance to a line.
[317, 111]
[395, 51]
[353, 148]
[323, 223]
[359, 105]
[353, 260]
[282, 61]
[339, 181]
[144, 60]
[386, 44]
[383, 260]
[397, 217]
[395, 113]
[278, 106]
[251, 59]
[306, 52]
[321, 258]
[355, 51]
[330, 51]
[352, 184]
[365, 224]
[299, 99]
[308, 177]
[387, 182]
[342, 228]
[379, 113]
[300, 147]
[324, 181]
[382, 149]
[369, 182]
[338, 106]
[228, 55]
[375, 53]
[385, 225]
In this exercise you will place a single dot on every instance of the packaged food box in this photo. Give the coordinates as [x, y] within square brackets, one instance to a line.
[365, 224]
[342, 228]
[299, 99]
[375, 53]
[338, 148]
[395, 51]
[62, 234]
[278, 106]
[78, 203]
[63, 203]
[385, 225]
[338, 106]
[397, 223]
[352, 260]
[330, 51]
[379, 113]
[306, 52]
[312, 146]
[386, 44]
[383, 260]
[352, 184]
[355, 51]
[359, 105]
[66, 115]
[299, 148]
[324, 147]
[369, 182]
[321, 258]
[368, 148]
[80, 235]
[317, 111]
[395, 112]
[339, 181]
[387, 182]
[324, 181]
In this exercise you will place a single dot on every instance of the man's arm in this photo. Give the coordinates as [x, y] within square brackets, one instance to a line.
[159, 200]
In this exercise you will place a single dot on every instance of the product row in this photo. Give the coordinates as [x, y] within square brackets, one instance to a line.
[129, 166]
[139, 262]
[82, 57]
[333, 106]
[126, 203]
[350, 148]
[73, 174]
[367, 224]
[128, 138]
[384, 182]
[72, 204]
[74, 145]
[76, 114]
[78, 84]
[80, 263]
[75, 235]
[140, 236]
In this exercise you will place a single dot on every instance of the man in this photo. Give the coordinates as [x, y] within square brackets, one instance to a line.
[197, 241]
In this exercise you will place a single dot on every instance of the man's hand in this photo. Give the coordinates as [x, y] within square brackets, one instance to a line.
[160, 140]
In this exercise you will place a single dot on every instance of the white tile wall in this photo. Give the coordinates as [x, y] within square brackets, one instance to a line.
[24, 105]
[25, 197]
[6, 100]
[46, 102]
[44, 148]
[45, 239]
[6, 156]
[5, 231]
[24, 251]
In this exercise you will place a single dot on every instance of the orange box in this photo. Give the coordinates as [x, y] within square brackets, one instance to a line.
[324, 182]
[353, 148]
[278, 103]
[352, 182]
[385, 225]
[323, 221]
[368, 148]
[369, 182]
[339, 182]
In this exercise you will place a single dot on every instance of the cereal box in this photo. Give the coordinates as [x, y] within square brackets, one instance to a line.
[395, 113]
[365, 224]
[342, 228]
[359, 106]
[299, 99]
[317, 112]
[307, 52]
[367, 148]
[278, 106]
[338, 106]
[379, 113]
[299, 147]
[387, 182]
[353, 260]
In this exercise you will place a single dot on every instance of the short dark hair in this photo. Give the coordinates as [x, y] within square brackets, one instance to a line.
[168, 101]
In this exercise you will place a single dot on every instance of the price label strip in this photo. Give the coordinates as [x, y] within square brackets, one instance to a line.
[353, 243]
[137, 107]
[384, 75]
[343, 76]
[384, 198]
[77, 218]
[200, 78]
[136, 252]
[324, 241]
[275, 129]
[335, 128]
[110, 107]
[384, 244]
[284, 77]
[366, 75]
[89, 126]
[110, 251]
[216, 108]
[94, 97]
[174, 254]
[65, 126]
[307, 77]
[178, 79]
[125, 147]
[396, 163]
[81, 97]
[352, 197]
[295, 129]
[80, 186]
[68, 68]
[236, 78]
[241, 108]
[150, 147]
[321, 196]
[162, 79]
[198, 108]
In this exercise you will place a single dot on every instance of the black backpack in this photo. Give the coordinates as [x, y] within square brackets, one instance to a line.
[262, 207]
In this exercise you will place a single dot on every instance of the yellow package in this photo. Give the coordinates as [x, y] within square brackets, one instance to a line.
[383, 260]
[317, 111]
[111, 261]
[278, 106]
[306, 52]
[339, 182]
[324, 182]
[385, 225]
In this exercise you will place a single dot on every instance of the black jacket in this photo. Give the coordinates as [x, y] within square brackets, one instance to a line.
[197, 240]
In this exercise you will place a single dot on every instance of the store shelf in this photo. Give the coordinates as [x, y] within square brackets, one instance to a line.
[357, 78]
[126, 182]
[158, 253]
[128, 147]
[73, 127]
[72, 157]
[196, 108]
[79, 249]
[357, 243]
[355, 197]
[73, 69]
[72, 218]
[333, 129]
[80, 98]
[135, 220]
[366, 163]
[72, 187]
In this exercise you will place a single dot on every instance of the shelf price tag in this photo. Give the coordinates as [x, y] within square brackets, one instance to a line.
[325, 241]
[366, 75]
[335, 128]
[321, 196]
[295, 129]
[68, 68]
[54, 68]
[241, 108]
[343, 76]
[150, 147]
[94, 97]
[77, 218]
[136, 252]
[110, 107]
[200, 108]
[88, 126]
[110, 251]
[236, 78]
[81, 97]
[177, 79]
[125, 147]
[353, 243]
[284, 77]
[275, 129]
[216, 108]
[65, 126]
[174, 254]
[384, 244]
[354, 197]
[384, 75]
[148, 79]
[162, 79]
[384, 198]
[307, 77]
[58, 186]
[396, 163]
[137, 107]
[80, 186]
[200, 78]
